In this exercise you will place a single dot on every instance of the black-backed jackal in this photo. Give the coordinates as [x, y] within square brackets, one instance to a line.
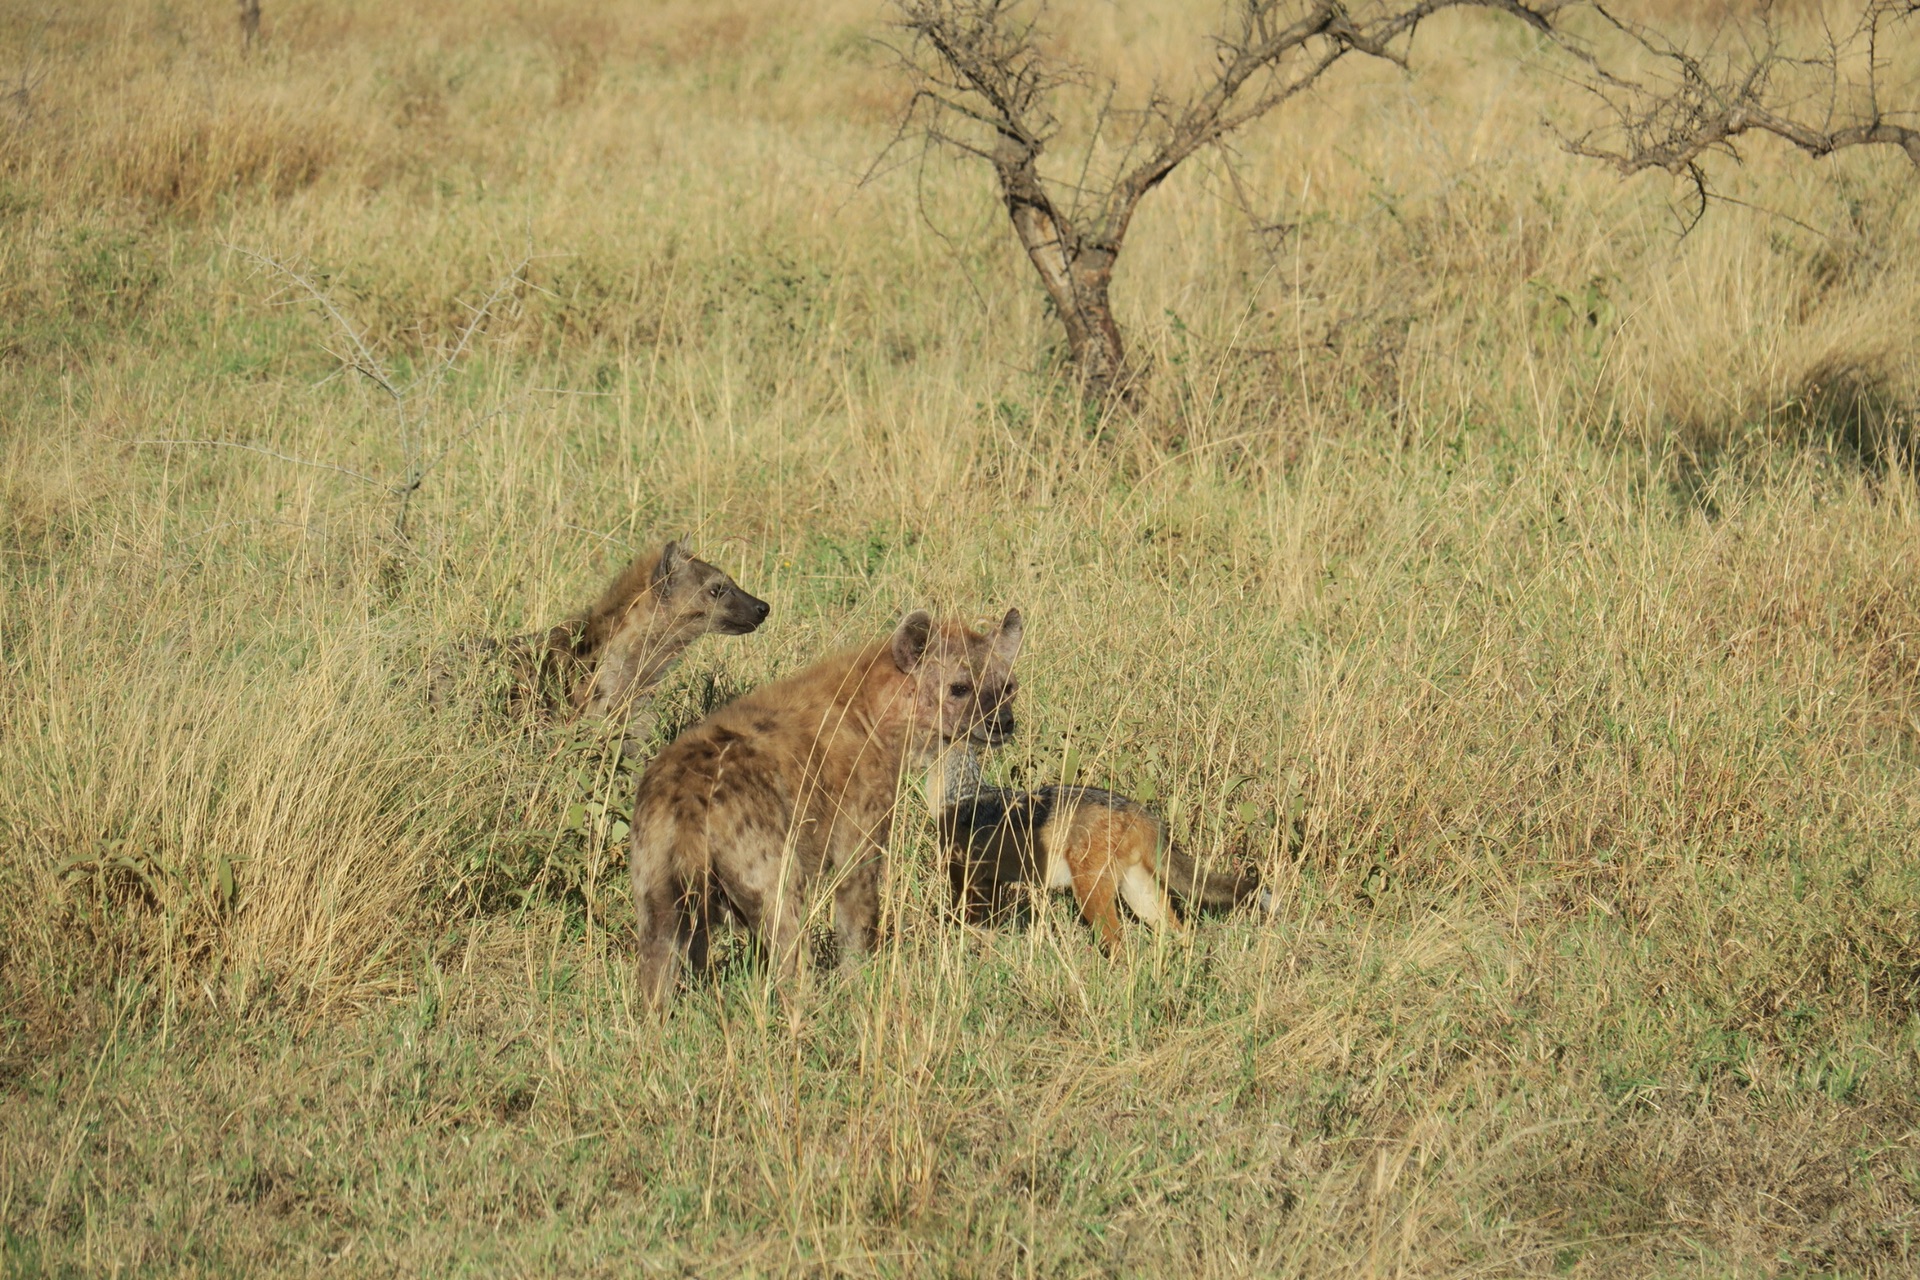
[1097, 843]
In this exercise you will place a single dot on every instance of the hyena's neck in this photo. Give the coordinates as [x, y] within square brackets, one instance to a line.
[631, 661]
[641, 624]
[633, 588]
[658, 646]
[953, 778]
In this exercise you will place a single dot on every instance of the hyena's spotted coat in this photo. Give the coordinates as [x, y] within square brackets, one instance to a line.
[794, 784]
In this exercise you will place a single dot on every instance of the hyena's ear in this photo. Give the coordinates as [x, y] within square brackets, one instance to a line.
[673, 558]
[910, 639]
[1005, 644]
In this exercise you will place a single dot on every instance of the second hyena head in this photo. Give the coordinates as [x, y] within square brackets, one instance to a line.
[699, 599]
[961, 680]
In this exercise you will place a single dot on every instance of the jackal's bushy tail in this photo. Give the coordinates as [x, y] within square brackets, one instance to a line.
[1187, 882]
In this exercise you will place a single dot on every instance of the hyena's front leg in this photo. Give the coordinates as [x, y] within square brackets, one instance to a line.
[856, 911]
[856, 899]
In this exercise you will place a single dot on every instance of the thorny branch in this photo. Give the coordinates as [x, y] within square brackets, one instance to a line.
[361, 476]
[412, 402]
[1749, 79]
[984, 86]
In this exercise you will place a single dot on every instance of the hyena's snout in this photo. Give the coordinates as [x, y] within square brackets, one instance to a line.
[743, 613]
[996, 727]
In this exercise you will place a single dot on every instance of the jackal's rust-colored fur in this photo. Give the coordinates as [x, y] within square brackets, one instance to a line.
[1100, 844]
[597, 663]
[795, 783]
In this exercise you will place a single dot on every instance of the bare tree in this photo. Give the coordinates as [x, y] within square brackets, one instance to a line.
[1749, 77]
[984, 86]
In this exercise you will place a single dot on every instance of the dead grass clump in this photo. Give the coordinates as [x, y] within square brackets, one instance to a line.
[184, 157]
[1853, 409]
[233, 816]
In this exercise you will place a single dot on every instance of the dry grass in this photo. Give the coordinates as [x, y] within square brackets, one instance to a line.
[1534, 593]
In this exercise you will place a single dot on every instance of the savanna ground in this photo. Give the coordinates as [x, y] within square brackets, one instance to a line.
[1531, 591]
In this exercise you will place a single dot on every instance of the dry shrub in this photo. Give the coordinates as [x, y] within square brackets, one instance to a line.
[1851, 406]
[179, 155]
[253, 815]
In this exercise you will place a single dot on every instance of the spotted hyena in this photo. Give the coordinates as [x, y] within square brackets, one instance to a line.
[601, 662]
[792, 787]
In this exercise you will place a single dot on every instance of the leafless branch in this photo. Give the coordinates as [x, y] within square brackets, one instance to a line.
[361, 476]
[412, 403]
[361, 360]
[249, 24]
[420, 473]
[507, 285]
[984, 87]
[604, 537]
[1699, 101]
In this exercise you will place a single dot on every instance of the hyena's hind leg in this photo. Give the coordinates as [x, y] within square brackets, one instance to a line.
[660, 906]
[659, 936]
[695, 936]
[757, 878]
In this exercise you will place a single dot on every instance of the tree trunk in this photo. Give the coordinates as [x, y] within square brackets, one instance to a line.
[1093, 337]
[1077, 276]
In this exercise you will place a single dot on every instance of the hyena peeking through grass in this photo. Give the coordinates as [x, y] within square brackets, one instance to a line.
[658, 606]
[601, 662]
[748, 811]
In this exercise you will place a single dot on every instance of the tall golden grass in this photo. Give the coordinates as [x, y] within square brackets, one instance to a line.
[1531, 590]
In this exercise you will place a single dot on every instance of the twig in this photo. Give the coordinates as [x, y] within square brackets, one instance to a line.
[498, 411]
[604, 537]
[507, 283]
[272, 453]
[363, 360]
